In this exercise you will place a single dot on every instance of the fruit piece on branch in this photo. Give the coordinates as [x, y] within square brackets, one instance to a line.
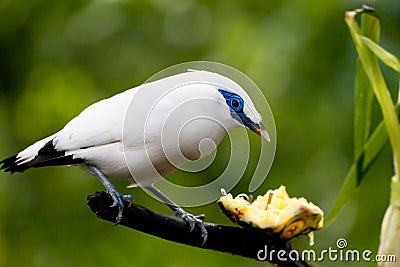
[274, 212]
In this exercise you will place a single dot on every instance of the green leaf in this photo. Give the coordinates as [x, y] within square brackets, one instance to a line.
[388, 58]
[365, 160]
[368, 76]
[371, 67]
[362, 118]
[363, 92]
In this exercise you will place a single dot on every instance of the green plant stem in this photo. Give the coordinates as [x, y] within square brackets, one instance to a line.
[371, 67]
[360, 166]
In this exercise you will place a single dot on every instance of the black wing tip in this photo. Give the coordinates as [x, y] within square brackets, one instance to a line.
[11, 165]
[48, 155]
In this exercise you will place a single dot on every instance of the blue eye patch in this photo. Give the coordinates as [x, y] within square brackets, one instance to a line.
[234, 101]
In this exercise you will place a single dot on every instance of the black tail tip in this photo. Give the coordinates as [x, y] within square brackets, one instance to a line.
[10, 165]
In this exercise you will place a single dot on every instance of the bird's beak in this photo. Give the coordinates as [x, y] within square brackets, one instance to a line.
[260, 130]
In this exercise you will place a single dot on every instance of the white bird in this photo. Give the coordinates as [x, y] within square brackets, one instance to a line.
[147, 132]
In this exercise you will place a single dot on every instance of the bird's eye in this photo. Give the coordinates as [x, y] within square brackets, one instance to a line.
[236, 104]
[234, 101]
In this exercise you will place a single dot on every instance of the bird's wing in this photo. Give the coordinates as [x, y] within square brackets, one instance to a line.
[99, 124]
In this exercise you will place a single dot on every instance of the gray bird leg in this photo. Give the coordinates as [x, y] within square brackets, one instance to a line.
[116, 196]
[179, 212]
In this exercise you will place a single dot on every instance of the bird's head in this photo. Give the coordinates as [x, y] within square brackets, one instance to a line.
[242, 110]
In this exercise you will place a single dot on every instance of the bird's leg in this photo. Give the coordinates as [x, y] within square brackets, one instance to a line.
[116, 196]
[179, 212]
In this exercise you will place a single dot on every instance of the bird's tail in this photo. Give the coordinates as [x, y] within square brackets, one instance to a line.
[40, 154]
[11, 165]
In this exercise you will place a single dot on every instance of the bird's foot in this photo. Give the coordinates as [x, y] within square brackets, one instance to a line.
[193, 220]
[115, 195]
[118, 202]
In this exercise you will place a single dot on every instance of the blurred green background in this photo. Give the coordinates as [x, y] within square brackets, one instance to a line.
[57, 57]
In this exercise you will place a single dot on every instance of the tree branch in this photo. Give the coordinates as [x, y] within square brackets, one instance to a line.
[246, 242]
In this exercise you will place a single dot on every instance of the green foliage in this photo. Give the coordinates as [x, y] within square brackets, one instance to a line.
[369, 80]
[365, 150]
[368, 51]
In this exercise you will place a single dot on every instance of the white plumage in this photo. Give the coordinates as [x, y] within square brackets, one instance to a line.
[147, 131]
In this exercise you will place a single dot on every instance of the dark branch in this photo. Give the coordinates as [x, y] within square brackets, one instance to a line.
[239, 241]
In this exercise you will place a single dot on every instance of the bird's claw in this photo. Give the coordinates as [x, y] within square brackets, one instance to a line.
[117, 198]
[193, 220]
[128, 198]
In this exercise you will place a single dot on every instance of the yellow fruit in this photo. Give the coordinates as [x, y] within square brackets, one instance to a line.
[275, 212]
